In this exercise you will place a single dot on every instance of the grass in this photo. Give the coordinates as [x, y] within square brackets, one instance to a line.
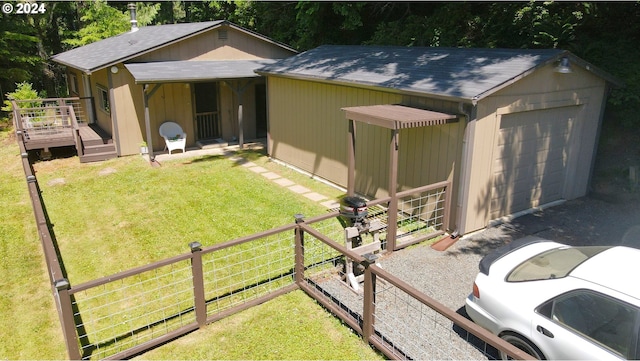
[118, 214]
[29, 326]
[122, 213]
[287, 328]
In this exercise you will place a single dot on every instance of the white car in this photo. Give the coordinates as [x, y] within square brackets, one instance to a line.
[559, 302]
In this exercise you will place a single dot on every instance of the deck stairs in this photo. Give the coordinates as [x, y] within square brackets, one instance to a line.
[97, 145]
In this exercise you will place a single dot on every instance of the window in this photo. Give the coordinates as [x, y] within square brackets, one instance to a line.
[555, 263]
[103, 99]
[73, 83]
[600, 318]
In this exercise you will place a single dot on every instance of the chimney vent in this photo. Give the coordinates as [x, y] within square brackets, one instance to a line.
[133, 21]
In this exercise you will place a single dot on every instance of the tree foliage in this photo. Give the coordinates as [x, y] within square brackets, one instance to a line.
[603, 33]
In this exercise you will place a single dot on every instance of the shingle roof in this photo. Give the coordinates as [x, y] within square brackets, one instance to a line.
[106, 52]
[462, 73]
[181, 71]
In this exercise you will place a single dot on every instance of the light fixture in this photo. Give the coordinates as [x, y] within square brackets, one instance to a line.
[564, 67]
[114, 69]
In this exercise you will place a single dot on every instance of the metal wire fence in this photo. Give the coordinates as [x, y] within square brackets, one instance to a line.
[248, 271]
[115, 315]
[397, 319]
[411, 329]
[124, 314]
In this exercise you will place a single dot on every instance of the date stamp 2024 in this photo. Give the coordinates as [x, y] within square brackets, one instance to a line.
[24, 8]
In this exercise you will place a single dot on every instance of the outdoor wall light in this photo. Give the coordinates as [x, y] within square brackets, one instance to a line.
[114, 69]
[564, 67]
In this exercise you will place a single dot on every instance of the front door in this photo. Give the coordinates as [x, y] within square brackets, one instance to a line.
[207, 117]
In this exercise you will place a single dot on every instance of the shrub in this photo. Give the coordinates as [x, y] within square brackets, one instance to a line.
[24, 91]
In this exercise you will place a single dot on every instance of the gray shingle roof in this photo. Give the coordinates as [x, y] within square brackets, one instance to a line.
[462, 73]
[103, 53]
[181, 71]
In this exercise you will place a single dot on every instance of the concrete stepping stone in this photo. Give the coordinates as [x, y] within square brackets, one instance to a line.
[271, 175]
[316, 197]
[258, 169]
[299, 189]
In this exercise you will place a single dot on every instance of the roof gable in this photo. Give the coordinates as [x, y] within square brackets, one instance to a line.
[462, 73]
[123, 47]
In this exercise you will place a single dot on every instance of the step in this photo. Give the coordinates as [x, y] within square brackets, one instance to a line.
[97, 157]
[101, 148]
[94, 142]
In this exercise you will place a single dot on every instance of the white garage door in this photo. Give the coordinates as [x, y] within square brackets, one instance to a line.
[530, 159]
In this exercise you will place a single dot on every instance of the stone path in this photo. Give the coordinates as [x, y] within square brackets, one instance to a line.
[285, 182]
[230, 153]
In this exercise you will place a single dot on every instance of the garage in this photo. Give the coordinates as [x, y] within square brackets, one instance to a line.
[530, 159]
[527, 135]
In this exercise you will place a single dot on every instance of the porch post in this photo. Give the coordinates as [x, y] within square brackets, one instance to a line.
[147, 119]
[351, 158]
[240, 129]
[239, 92]
[392, 212]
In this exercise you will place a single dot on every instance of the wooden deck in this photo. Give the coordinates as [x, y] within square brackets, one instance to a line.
[96, 144]
[52, 123]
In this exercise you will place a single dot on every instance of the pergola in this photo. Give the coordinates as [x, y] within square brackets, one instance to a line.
[393, 117]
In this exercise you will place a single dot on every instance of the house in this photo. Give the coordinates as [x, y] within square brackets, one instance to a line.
[199, 75]
[512, 129]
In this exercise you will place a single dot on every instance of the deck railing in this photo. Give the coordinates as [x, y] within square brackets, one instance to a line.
[45, 124]
[207, 125]
[127, 313]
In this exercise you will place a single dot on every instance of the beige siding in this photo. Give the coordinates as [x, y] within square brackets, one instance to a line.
[208, 46]
[551, 101]
[174, 101]
[170, 102]
[309, 131]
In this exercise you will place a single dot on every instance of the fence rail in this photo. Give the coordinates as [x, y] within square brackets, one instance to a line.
[121, 315]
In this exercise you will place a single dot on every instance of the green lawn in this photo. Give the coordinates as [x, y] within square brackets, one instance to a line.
[118, 214]
[114, 215]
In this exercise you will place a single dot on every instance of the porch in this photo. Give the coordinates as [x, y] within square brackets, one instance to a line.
[61, 122]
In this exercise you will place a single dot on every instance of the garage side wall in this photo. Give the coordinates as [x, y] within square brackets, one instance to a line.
[534, 143]
[309, 131]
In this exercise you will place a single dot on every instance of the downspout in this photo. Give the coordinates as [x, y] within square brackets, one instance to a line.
[470, 112]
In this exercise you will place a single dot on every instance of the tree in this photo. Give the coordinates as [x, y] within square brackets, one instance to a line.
[19, 60]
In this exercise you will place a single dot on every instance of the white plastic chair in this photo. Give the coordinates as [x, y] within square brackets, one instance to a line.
[174, 137]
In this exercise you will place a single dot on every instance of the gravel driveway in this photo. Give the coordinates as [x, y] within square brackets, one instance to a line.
[448, 276]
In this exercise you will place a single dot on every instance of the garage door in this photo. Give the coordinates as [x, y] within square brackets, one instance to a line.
[530, 159]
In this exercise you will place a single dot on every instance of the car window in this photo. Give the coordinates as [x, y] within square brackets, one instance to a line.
[554, 263]
[600, 318]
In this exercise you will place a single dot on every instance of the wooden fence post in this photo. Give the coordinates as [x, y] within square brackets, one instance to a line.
[369, 297]
[65, 309]
[299, 257]
[199, 300]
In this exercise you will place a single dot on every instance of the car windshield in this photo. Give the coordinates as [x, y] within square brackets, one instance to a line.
[555, 263]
